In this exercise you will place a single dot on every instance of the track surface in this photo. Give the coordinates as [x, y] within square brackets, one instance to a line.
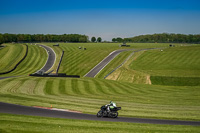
[6, 77]
[103, 63]
[50, 60]
[25, 110]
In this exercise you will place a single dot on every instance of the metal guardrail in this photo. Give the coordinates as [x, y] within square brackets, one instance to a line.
[60, 62]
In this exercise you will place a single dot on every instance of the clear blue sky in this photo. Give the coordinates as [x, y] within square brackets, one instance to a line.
[104, 18]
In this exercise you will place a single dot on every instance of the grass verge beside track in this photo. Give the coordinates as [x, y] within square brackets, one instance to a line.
[173, 62]
[10, 56]
[178, 66]
[21, 123]
[88, 95]
[34, 61]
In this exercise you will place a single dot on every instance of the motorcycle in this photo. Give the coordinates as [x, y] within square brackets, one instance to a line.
[112, 113]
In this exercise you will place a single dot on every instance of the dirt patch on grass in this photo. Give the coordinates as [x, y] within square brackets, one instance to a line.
[114, 76]
[148, 80]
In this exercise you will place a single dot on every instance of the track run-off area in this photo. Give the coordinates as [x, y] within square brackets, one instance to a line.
[25, 110]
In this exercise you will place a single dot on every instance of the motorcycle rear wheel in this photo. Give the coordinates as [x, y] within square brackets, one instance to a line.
[99, 114]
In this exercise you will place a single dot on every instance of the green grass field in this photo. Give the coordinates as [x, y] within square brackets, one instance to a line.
[33, 124]
[178, 66]
[88, 95]
[133, 90]
[78, 61]
[34, 61]
[10, 55]
[176, 62]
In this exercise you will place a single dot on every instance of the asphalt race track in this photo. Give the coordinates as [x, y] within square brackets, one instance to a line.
[25, 110]
[50, 60]
[6, 77]
[103, 63]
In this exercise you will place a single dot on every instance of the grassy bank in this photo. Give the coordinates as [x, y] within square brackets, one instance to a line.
[88, 95]
[22, 124]
[170, 66]
[175, 81]
[179, 61]
[35, 60]
[79, 61]
[10, 56]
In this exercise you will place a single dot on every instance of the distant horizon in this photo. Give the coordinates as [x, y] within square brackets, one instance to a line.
[106, 40]
[105, 19]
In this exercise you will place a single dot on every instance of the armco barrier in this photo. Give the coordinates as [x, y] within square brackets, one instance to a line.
[55, 75]
[60, 62]
[17, 63]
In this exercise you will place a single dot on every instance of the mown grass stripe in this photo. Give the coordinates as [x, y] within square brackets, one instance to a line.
[81, 87]
[31, 63]
[29, 87]
[74, 84]
[68, 87]
[9, 56]
[39, 89]
[12, 87]
[87, 87]
[55, 86]
[48, 87]
[62, 88]
[28, 61]
[112, 88]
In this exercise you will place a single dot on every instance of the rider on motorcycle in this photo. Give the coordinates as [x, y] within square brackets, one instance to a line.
[110, 106]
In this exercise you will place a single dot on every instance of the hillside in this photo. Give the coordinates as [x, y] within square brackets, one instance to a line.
[129, 90]
[34, 61]
[169, 66]
[10, 55]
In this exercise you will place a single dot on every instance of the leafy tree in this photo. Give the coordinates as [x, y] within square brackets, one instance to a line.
[93, 39]
[1, 39]
[119, 39]
[83, 39]
[114, 40]
[99, 39]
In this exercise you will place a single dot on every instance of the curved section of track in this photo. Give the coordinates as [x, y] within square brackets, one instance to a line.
[51, 58]
[25, 110]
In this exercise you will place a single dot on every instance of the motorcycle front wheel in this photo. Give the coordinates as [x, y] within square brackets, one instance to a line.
[114, 115]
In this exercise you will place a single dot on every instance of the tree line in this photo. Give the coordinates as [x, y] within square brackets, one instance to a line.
[5, 38]
[154, 38]
[161, 38]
